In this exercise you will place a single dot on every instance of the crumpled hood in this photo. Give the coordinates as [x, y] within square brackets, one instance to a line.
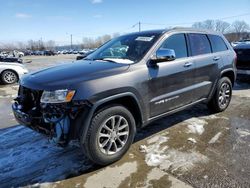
[63, 76]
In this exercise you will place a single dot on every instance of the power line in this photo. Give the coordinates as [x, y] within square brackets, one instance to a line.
[186, 23]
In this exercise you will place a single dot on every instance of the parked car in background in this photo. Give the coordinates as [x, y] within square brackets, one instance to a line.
[49, 53]
[243, 59]
[11, 72]
[124, 85]
[38, 52]
[4, 54]
[18, 54]
[11, 60]
[65, 52]
[82, 56]
[235, 43]
[244, 41]
[28, 52]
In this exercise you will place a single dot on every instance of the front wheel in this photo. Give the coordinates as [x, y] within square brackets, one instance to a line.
[110, 135]
[222, 96]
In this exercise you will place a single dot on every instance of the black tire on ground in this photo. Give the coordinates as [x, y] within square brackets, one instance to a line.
[110, 135]
[222, 96]
[9, 77]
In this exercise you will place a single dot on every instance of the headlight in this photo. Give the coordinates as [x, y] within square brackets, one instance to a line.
[57, 96]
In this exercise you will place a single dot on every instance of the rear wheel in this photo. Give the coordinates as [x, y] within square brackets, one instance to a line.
[222, 96]
[9, 77]
[110, 135]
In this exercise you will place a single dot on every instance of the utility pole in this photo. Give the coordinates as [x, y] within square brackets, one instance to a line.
[40, 44]
[139, 26]
[71, 41]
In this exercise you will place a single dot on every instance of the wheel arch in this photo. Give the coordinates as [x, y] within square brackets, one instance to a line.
[230, 74]
[128, 100]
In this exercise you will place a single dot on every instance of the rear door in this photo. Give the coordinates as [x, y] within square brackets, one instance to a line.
[207, 64]
[171, 82]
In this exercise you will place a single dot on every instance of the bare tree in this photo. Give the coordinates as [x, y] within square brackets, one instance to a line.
[197, 25]
[94, 43]
[115, 35]
[221, 26]
[240, 26]
[207, 24]
[21, 46]
[87, 42]
[50, 45]
[216, 25]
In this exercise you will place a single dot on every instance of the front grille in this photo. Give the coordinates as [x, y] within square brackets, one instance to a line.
[29, 98]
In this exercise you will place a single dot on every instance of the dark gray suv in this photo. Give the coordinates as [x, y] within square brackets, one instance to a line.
[124, 85]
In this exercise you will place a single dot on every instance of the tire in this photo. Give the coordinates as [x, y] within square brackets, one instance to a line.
[222, 96]
[9, 77]
[104, 143]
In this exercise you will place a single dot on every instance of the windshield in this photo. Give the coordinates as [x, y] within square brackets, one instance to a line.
[125, 49]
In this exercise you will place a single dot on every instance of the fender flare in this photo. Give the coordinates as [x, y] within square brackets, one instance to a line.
[87, 119]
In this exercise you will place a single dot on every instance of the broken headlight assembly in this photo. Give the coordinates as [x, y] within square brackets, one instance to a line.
[57, 96]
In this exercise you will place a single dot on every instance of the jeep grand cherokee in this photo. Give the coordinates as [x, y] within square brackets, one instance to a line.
[124, 85]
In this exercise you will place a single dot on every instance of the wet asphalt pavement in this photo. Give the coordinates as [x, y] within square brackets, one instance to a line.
[192, 148]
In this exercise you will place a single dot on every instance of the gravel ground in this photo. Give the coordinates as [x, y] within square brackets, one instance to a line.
[192, 148]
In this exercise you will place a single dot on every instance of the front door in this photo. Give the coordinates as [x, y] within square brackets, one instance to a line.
[171, 83]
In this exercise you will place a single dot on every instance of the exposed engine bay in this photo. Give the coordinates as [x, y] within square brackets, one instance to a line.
[53, 120]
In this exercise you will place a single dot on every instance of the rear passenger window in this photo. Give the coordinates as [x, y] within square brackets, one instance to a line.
[218, 43]
[199, 44]
[177, 43]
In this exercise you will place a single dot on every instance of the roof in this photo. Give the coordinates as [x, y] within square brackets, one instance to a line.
[181, 29]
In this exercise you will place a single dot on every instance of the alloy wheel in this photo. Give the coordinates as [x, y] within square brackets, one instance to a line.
[113, 134]
[9, 77]
[224, 95]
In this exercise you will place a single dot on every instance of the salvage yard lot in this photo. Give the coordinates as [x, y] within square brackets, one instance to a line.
[192, 148]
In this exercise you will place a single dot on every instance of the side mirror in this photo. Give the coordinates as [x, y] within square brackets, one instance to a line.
[163, 55]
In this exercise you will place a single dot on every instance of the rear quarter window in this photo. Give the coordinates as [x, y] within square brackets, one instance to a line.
[218, 44]
[199, 44]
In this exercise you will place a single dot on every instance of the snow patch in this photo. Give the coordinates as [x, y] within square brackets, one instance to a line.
[243, 132]
[192, 140]
[159, 139]
[210, 117]
[131, 156]
[177, 160]
[195, 125]
[215, 138]
[171, 159]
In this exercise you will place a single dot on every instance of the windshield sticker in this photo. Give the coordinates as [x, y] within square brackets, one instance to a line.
[145, 39]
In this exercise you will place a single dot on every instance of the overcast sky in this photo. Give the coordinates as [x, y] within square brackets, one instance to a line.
[21, 20]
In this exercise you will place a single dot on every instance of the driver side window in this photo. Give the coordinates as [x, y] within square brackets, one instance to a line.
[176, 42]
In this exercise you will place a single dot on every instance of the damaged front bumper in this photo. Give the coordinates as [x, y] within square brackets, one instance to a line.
[57, 121]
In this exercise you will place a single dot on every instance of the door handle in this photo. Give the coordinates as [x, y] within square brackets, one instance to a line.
[216, 58]
[188, 64]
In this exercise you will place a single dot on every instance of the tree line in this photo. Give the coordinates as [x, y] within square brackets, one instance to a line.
[233, 32]
[86, 43]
